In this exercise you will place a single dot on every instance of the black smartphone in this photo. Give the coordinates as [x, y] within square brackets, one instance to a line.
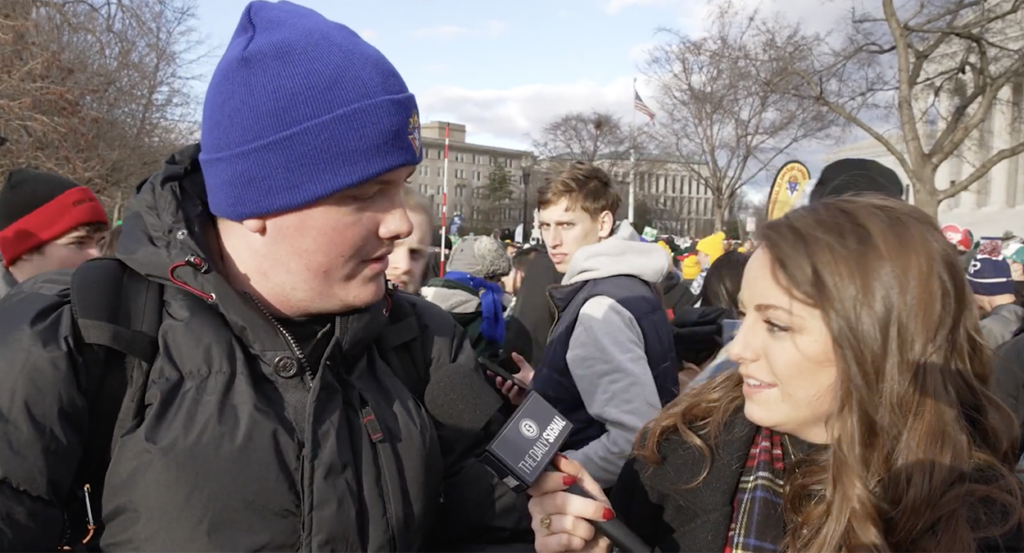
[498, 370]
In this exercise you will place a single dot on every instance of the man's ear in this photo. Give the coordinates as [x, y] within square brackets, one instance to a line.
[255, 226]
[605, 224]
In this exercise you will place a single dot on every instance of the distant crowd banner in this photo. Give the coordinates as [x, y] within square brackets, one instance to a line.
[789, 184]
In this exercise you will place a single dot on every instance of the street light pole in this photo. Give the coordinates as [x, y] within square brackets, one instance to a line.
[527, 166]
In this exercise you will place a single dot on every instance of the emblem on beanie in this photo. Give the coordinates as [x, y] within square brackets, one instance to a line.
[414, 133]
[990, 248]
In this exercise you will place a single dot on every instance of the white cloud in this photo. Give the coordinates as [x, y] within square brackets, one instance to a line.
[641, 52]
[494, 28]
[814, 15]
[615, 6]
[443, 31]
[509, 117]
[490, 29]
[368, 34]
[436, 68]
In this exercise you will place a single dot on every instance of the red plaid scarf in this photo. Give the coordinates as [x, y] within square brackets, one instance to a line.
[758, 523]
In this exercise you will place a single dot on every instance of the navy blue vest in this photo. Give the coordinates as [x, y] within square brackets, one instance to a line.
[554, 382]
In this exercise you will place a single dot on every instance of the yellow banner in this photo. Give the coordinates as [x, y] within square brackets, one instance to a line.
[789, 185]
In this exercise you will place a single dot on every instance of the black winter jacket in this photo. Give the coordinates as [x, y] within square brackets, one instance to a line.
[533, 315]
[229, 451]
[1008, 379]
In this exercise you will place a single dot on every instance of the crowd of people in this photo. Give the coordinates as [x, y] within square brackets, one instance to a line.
[267, 354]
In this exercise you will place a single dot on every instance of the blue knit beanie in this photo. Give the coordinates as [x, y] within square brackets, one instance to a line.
[300, 108]
[989, 273]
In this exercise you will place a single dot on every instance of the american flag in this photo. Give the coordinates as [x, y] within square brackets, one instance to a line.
[640, 106]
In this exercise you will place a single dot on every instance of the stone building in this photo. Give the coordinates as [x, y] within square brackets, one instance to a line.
[469, 166]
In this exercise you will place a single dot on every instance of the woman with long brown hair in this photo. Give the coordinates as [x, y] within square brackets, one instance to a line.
[859, 419]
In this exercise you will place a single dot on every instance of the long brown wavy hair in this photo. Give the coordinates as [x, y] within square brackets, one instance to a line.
[922, 453]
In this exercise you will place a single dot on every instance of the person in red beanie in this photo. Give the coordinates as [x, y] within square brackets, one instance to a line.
[47, 222]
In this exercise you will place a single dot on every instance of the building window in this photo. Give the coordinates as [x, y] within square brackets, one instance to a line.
[424, 171]
[508, 163]
[440, 171]
[426, 153]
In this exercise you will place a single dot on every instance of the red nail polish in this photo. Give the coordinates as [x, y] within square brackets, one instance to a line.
[568, 480]
[608, 514]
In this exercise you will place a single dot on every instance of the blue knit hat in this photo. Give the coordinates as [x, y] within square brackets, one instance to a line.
[989, 273]
[300, 108]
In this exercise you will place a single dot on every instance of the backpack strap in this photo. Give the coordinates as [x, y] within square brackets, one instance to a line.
[118, 313]
[105, 296]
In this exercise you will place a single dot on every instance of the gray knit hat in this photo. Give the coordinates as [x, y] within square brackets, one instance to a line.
[480, 256]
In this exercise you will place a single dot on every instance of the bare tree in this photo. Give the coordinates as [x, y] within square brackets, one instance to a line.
[719, 118]
[602, 139]
[933, 70]
[97, 90]
[588, 137]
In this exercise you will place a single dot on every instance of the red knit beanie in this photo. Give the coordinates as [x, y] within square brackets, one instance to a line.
[37, 208]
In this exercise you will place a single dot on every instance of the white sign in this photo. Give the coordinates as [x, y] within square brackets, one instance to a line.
[751, 224]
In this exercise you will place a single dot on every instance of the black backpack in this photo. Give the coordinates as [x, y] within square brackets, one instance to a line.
[118, 312]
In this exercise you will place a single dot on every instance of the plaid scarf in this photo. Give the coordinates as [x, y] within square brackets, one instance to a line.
[758, 523]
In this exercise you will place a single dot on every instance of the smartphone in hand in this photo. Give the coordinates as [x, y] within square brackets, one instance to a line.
[498, 370]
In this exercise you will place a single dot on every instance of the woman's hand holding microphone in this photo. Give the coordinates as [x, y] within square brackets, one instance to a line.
[561, 520]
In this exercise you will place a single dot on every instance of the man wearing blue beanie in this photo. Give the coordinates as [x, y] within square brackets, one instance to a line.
[280, 395]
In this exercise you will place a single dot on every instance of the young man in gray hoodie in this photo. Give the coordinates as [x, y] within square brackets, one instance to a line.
[609, 365]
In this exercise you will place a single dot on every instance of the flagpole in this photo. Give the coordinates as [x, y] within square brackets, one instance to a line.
[632, 157]
[444, 198]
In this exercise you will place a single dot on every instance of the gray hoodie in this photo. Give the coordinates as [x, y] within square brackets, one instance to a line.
[606, 351]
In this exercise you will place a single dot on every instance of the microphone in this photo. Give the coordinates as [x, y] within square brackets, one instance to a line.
[525, 448]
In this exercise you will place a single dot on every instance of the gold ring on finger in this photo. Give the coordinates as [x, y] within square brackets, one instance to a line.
[545, 522]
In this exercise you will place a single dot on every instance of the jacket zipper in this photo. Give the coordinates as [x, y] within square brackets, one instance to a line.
[308, 377]
[554, 308]
[373, 428]
[292, 344]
